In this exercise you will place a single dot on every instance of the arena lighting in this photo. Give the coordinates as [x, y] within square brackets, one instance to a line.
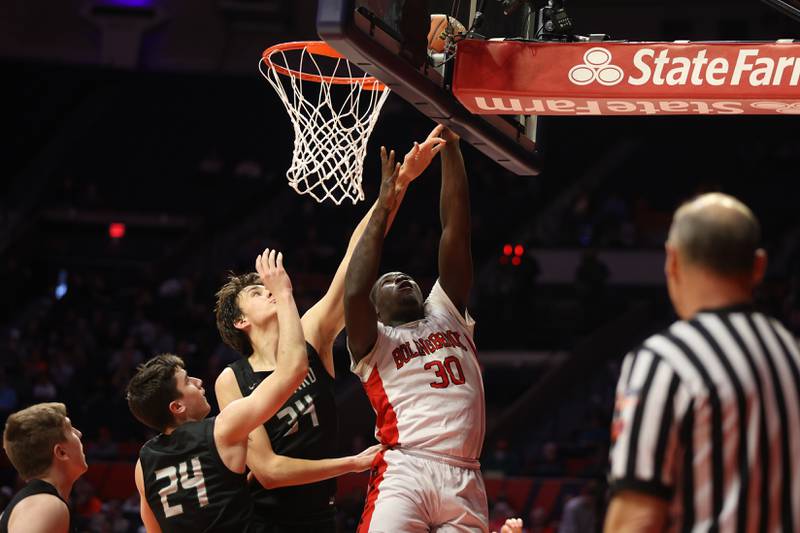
[124, 8]
[116, 230]
[516, 261]
[503, 259]
[61, 286]
[507, 249]
[519, 250]
[129, 3]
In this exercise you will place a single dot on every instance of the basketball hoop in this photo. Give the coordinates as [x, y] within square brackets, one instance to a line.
[333, 107]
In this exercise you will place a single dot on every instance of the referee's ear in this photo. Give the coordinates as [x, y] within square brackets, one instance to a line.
[759, 266]
[670, 262]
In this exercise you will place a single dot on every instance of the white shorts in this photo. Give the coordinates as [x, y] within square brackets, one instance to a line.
[411, 494]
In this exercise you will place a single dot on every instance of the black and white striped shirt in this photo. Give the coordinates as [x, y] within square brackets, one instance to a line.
[708, 417]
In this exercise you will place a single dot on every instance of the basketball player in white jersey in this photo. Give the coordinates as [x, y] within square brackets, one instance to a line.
[418, 364]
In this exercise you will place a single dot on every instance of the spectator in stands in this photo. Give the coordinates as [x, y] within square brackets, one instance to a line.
[550, 462]
[8, 395]
[501, 460]
[580, 512]
[538, 522]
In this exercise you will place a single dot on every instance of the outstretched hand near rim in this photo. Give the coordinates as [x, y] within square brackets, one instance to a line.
[269, 266]
[390, 193]
[420, 156]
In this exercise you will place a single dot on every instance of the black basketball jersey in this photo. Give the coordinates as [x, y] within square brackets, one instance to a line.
[189, 488]
[35, 486]
[305, 427]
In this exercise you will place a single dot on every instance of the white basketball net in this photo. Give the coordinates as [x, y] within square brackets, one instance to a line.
[331, 130]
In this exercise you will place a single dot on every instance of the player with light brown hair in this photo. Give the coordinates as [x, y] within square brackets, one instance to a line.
[46, 451]
[296, 446]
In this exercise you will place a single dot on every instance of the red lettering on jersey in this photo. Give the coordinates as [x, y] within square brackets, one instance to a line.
[422, 348]
[438, 340]
[455, 339]
[397, 355]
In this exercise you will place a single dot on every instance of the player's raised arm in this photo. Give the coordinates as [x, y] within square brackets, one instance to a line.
[242, 416]
[359, 311]
[455, 254]
[325, 320]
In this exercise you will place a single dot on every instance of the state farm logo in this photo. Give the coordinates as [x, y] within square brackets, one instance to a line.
[779, 107]
[597, 67]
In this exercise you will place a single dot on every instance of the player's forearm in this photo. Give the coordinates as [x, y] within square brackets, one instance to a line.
[362, 225]
[336, 289]
[292, 359]
[454, 208]
[281, 471]
[363, 268]
[634, 513]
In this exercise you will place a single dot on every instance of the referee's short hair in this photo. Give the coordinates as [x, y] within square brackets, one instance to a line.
[718, 232]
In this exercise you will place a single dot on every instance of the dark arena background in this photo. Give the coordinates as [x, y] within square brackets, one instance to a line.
[144, 157]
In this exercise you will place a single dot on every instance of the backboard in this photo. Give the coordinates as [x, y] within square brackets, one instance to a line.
[388, 39]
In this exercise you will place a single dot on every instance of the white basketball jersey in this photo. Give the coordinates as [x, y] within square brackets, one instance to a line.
[425, 384]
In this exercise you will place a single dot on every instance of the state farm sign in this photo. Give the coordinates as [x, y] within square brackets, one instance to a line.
[511, 77]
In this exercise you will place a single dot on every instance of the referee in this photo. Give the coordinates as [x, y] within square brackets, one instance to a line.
[706, 430]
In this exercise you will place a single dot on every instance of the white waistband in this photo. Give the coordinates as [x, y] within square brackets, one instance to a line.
[461, 462]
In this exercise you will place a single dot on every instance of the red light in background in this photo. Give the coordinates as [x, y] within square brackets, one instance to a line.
[507, 249]
[519, 250]
[503, 260]
[116, 230]
[516, 261]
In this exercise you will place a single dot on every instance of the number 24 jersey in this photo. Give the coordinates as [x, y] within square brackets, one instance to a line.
[189, 488]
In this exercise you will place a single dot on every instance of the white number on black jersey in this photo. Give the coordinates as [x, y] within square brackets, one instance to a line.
[181, 474]
[299, 409]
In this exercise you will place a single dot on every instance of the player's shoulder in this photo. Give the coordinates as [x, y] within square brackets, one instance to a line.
[40, 512]
[226, 378]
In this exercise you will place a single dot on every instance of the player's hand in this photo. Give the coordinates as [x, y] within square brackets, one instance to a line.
[269, 266]
[390, 192]
[363, 461]
[420, 156]
[451, 138]
[512, 525]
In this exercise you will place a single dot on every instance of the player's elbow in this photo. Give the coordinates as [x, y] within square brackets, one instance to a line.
[267, 472]
[272, 480]
[263, 476]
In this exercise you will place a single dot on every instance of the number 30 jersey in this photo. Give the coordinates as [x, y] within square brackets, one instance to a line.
[189, 488]
[424, 382]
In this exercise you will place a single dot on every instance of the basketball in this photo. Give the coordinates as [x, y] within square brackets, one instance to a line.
[437, 36]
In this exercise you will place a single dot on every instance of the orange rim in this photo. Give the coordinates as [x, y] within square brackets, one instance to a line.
[317, 48]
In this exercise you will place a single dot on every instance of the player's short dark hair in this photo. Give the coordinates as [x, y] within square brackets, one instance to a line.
[718, 232]
[152, 389]
[228, 312]
[31, 434]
